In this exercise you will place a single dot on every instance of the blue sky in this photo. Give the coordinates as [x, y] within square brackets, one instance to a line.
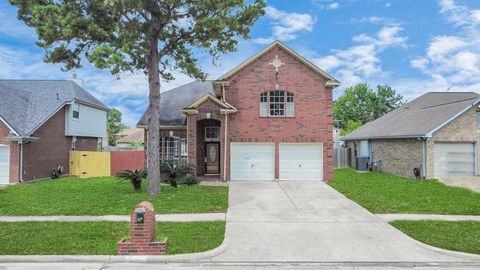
[414, 46]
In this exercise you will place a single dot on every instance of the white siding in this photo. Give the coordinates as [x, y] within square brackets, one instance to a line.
[92, 122]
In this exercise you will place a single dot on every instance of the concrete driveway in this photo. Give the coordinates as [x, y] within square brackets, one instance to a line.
[308, 221]
[472, 183]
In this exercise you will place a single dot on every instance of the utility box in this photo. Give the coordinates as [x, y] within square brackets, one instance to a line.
[361, 164]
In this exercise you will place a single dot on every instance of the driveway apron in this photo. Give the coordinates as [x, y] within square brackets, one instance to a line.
[308, 221]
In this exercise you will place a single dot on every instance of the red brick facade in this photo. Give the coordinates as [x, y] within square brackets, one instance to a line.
[312, 121]
[51, 149]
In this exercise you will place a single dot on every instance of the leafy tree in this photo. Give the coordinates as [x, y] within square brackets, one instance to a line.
[360, 104]
[114, 125]
[149, 36]
[349, 127]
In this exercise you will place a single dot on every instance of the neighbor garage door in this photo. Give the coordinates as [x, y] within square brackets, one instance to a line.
[252, 161]
[453, 159]
[4, 163]
[299, 161]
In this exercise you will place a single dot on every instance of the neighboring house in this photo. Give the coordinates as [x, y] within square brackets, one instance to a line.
[133, 135]
[268, 118]
[41, 121]
[437, 133]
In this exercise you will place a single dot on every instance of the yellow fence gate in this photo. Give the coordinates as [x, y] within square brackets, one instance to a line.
[89, 163]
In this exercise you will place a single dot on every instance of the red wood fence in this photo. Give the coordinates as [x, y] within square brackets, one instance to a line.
[126, 160]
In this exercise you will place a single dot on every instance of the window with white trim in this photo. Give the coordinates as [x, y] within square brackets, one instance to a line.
[171, 148]
[212, 133]
[76, 111]
[277, 103]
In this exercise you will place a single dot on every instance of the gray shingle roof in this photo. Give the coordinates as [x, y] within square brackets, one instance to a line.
[418, 117]
[26, 104]
[174, 100]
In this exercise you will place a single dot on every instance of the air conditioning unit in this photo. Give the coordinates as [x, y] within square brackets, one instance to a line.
[361, 164]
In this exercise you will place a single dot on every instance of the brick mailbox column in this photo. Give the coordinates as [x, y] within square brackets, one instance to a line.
[142, 240]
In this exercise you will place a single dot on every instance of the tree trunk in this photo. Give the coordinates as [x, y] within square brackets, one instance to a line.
[153, 132]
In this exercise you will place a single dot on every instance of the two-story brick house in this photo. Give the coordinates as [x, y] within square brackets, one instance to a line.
[268, 118]
[41, 121]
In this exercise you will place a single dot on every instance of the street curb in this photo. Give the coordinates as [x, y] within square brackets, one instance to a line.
[179, 258]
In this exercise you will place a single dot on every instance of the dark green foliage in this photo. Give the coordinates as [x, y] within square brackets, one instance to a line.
[188, 180]
[173, 171]
[114, 125]
[361, 104]
[135, 177]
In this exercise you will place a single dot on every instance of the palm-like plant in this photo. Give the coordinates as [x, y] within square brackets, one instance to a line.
[174, 171]
[135, 177]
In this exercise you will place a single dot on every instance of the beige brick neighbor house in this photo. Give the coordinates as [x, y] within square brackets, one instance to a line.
[438, 133]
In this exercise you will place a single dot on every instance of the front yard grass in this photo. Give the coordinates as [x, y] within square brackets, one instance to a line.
[453, 235]
[105, 196]
[386, 193]
[101, 238]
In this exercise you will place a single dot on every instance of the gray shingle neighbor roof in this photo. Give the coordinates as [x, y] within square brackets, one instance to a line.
[174, 100]
[26, 104]
[418, 117]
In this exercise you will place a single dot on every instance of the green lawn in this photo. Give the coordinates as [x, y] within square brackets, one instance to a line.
[454, 235]
[105, 195]
[386, 193]
[100, 238]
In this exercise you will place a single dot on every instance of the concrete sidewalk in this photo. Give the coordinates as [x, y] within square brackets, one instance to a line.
[308, 221]
[165, 218]
[392, 217]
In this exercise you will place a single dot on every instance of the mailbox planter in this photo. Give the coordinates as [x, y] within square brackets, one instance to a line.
[142, 240]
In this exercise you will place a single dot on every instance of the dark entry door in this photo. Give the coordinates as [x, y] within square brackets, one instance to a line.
[212, 157]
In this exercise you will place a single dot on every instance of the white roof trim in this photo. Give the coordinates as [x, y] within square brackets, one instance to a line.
[332, 80]
[430, 134]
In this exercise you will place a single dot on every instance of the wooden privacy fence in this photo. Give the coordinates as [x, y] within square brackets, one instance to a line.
[341, 157]
[126, 160]
[95, 164]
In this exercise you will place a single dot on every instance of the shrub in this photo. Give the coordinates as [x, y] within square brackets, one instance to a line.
[188, 180]
[135, 177]
[173, 171]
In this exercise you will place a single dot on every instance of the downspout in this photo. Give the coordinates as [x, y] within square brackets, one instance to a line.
[225, 149]
[21, 161]
[424, 157]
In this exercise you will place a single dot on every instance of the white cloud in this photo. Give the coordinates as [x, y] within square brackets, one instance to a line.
[362, 61]
[454, 60]
[373, 20]
[10, 26]
[333, 5]
[286, 26]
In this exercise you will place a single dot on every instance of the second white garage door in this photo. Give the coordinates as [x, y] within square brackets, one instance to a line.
[252, 161]
[453, 159]
[299, 161]
[4, 163]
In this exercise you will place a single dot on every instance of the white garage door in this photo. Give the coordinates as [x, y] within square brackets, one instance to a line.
[300, 161]
[4, 163]
[453, 159]
[252, 161]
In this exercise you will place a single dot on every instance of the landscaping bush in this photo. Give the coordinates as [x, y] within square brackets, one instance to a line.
[173, 171]
[135, 177]
[188, 180]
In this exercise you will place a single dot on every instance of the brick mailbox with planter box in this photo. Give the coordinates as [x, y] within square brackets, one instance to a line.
[142, 240]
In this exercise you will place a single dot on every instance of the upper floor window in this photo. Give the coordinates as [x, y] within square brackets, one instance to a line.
[76, 111]
[212, 133]
[277, 103]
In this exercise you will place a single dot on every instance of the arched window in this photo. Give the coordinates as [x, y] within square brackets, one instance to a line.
[277, 103]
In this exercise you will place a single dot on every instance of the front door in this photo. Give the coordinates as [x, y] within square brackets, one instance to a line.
[212, 158]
